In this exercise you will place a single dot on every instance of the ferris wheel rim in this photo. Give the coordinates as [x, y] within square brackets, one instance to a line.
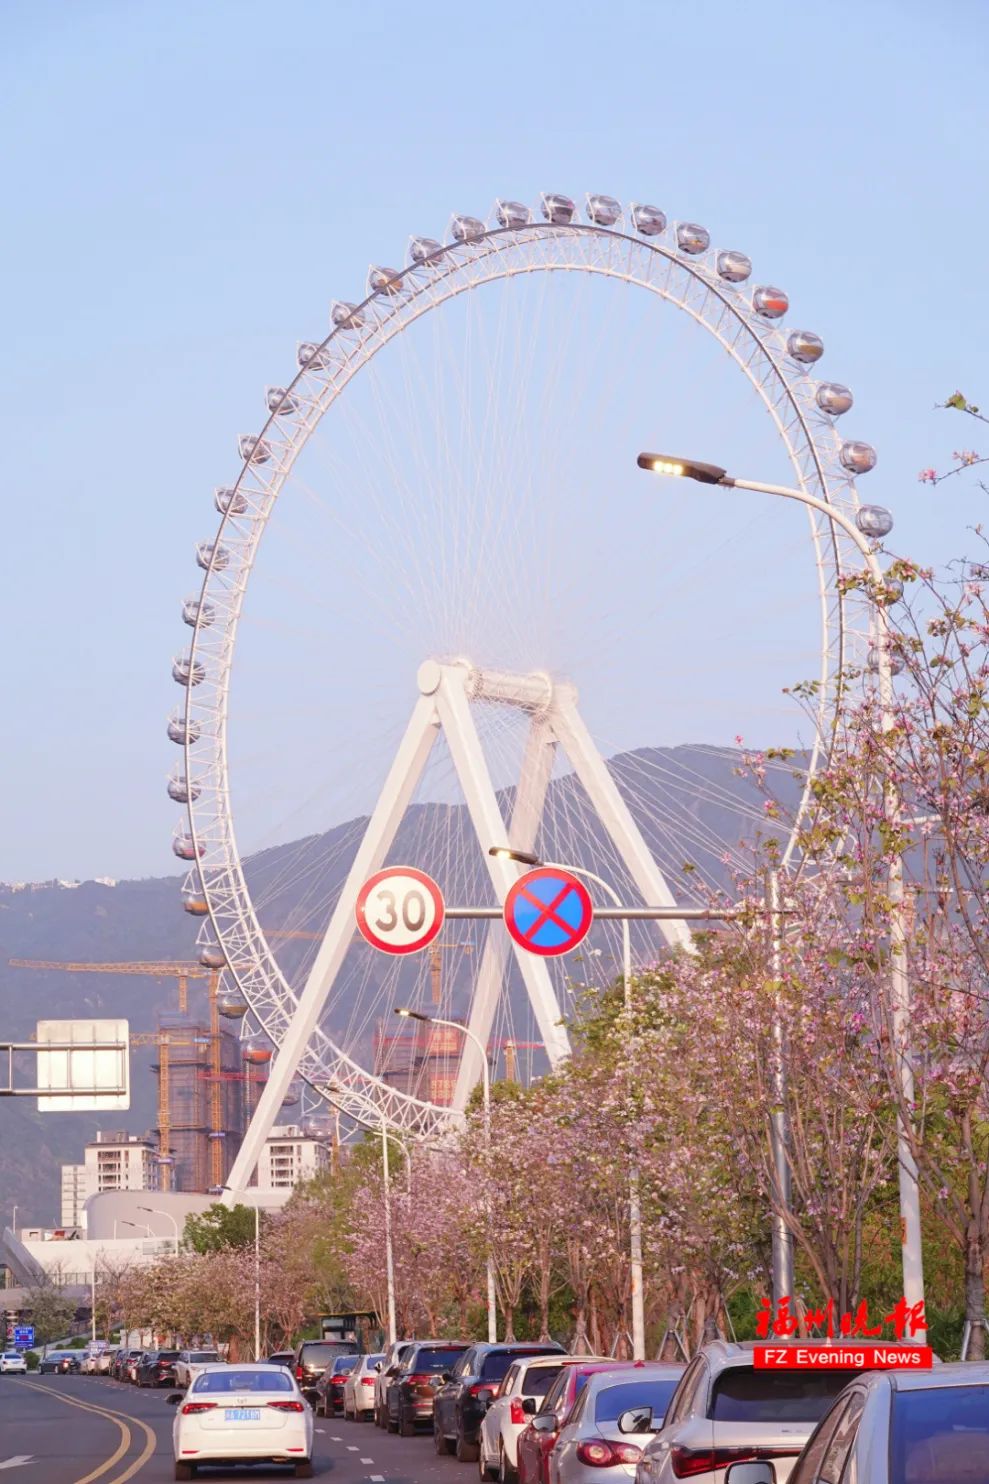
[340, 1077]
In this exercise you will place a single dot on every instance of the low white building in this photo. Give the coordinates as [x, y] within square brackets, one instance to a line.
[288, 1157]
[74, 1193]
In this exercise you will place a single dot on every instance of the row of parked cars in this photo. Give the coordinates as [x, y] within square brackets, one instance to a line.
[530, 1414]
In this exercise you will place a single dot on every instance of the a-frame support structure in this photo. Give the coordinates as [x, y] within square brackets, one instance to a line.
[446, 692]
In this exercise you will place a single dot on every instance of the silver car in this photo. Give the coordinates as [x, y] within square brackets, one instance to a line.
[725, 1410]
[615, 1416]
[896, 1427]
[386, 1370]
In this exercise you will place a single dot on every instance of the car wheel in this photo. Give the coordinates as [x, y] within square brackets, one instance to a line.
[185, 1470]
[506, 1473]
[406, 1426]
[484, 1469]
[441, 1443]
[466, 1452]
[303, 1469]
[390, 1426]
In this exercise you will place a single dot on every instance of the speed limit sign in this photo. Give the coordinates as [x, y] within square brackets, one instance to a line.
[400, 910]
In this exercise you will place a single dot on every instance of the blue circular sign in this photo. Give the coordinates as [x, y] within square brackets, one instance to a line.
[548, 911]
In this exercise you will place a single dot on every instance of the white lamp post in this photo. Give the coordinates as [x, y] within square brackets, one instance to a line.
[154, 1211]
[912, 1248]
[486, 1084]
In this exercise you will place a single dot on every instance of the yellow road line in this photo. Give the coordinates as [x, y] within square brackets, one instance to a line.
[119, 1419]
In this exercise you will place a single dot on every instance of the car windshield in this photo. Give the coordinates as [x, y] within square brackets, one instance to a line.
[744, 1394]
[438, 1360]
[941, 1436]
[370, 1361]
[538, 1379]
[343, 1364]
[168, 1355]
[11, 1355]
[610, 1403]
[231, 1379]
[494, 1366]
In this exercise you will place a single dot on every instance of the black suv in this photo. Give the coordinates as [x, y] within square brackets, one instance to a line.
[313, 1356]
[458, 1410]
[157, 1368]
[409, 1398]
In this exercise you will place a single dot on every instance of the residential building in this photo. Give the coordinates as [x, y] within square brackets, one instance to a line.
[74, 1193]
[121, 1161]
[289, 1156]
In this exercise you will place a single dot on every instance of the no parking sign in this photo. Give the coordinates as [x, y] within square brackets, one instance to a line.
[548, 911]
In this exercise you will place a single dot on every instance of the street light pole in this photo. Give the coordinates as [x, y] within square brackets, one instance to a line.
[779, 1120]
[389, 1250]
[912, 1247]
[525, 858]
[486, 1086]
[257, 1281]
[154, 1211]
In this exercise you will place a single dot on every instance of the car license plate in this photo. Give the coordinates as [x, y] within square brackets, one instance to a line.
[242, 1414]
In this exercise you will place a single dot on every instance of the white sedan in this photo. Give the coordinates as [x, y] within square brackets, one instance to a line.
[12, 1363]
[242, 1414]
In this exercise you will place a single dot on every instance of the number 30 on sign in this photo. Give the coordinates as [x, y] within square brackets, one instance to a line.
[400, 910]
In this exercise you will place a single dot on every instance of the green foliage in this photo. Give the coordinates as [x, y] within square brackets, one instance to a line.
[33, 1360]
[220, 1228]
[50, 1313]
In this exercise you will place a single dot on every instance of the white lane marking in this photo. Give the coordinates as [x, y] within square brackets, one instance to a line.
[321, 1429]
[333, 1439]
[351, 1448]
[18, 1462]
[377, 1479]
[367, 1460]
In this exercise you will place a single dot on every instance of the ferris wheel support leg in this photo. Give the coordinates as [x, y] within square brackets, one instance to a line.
[468, 757]
[392, 803]
[537, 768]
[617, 819]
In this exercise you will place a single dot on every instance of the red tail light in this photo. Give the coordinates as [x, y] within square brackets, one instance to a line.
[517, 1412]
[480, 1386]
[286, 1406]
[298, 1373]
[418, 1380]
[367, 1380]
[689, 1461]
[604, 1455]
[191, 1407]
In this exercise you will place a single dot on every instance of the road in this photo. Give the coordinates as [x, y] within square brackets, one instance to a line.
[90, 1430]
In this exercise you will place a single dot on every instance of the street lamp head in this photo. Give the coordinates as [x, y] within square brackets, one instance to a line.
[506, 853]
[663, 463]
[411, 1014]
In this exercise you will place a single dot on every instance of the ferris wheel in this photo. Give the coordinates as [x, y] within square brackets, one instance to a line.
[434, 605]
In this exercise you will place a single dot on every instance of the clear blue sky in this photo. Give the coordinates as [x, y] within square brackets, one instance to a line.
[187, 186]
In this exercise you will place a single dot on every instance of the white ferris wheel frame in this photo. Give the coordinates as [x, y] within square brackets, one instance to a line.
[688, 281]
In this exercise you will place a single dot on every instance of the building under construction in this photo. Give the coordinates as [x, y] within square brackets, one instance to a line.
[202, 1102]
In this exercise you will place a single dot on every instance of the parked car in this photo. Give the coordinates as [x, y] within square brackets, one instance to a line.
[409, 1398]
[104, 1361]
[281, 1357]
[609, 1424]
[513, 1407]
[188, 1364]
[242, 1414]
[537, 1441]
[12, 1363]
[328, 1401]
[312, 1358]
[389, 1368]
[59, 1363]
[725, 1411]
[134, 1365]
[157, 1368]
[458, 1410]
[122, 1360]
[896, 1427]
[358, 1392]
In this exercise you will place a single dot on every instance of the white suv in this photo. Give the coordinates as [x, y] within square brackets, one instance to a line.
[189, 1363]
[12, 1363]
[724, 1411]
[518, 1398]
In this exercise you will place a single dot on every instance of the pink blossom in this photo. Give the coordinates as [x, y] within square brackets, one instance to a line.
[927, 476]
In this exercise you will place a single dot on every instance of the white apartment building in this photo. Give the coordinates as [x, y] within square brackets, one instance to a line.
[120, 1161]
[74, 1195]
[289, 1155]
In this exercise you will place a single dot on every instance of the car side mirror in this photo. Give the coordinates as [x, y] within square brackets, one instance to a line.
[751, 1473]
[529, 1406]
[549, 1422]
[377, 1365]
[636, 1419]
[485, 1396]
[446, 1376]
[174, 1399]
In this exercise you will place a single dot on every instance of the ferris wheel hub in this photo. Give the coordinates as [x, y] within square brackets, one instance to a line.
[536, 693]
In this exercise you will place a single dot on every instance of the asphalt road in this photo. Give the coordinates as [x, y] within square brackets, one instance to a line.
[90, 1430]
